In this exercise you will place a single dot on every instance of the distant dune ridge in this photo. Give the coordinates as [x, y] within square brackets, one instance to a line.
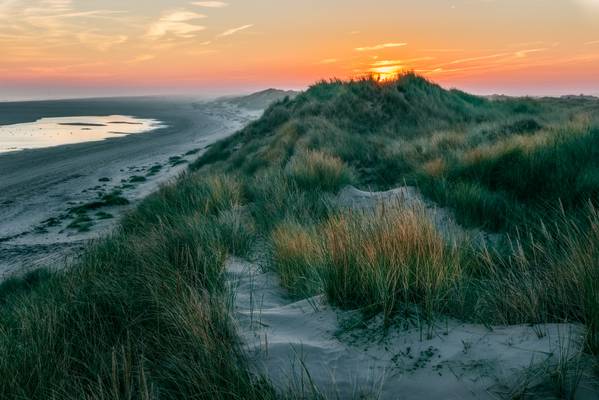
[261, 100]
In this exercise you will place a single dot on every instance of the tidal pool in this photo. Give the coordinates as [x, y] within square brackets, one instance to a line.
[48, 132]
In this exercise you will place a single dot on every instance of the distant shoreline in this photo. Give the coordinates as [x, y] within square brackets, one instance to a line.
[55, 199]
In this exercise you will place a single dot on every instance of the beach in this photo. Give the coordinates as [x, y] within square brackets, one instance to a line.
[42, 191]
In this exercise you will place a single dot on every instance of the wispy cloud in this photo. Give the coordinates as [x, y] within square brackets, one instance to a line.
[328, 61]
[383, 63]
[200, 52]
[210, 4]
[381, 46]
[101, 42]
[592, 43]
[233, 31]
[524, 53]
[141, 58]
[479, 58]
[179, 23]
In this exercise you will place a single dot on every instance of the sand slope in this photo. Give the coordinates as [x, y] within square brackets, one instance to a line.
[302, 344]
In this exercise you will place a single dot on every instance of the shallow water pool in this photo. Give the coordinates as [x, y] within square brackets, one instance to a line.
[48, 132]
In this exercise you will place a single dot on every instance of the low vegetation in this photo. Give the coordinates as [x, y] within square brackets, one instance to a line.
[144, 314]
[520, 167]
[386, 261]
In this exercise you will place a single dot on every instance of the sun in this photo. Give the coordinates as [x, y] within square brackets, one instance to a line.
[387, 73]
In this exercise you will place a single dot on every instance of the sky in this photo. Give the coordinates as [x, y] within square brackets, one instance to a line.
[82, 48]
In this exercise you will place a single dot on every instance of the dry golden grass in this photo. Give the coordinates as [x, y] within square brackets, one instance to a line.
[385, 261]
[389, 261]
[297, 257]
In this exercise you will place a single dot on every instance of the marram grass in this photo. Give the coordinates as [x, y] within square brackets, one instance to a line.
[145, 314]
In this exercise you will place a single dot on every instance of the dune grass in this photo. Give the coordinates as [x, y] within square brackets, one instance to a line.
[145, 314]
[298, 258]
[510, 166]
[521, 176]
[316, 170]
[551, 274]
[390, 261]
[386, 261]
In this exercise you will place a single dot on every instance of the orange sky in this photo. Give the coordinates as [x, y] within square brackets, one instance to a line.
[56, 48]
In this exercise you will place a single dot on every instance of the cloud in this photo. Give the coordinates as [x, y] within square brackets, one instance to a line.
[233, 31]
[383, 63]
[57, 4]
[182, 16]
[328, 61]
[592, 43]
[141, 58]
[470, 59]
[590, 3]
[198, 52]
[210, 4]
[100, 41]
[381, 46]
[179, 23]
[524, 53]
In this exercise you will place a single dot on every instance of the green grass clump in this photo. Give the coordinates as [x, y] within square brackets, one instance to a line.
[106, 200]
[19, 285]
[550, 274]
[237, 231]
[104, 215]
[316, 170]
[194, 194]
[176, 160]
[137, 179]
[114, 199]
[81, 223]
[503, 185]
[154, 169]
[276, 197]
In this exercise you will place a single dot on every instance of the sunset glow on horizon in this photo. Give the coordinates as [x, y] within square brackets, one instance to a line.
[53, 48]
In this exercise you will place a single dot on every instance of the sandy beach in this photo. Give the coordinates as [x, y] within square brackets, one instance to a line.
[39, 188]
